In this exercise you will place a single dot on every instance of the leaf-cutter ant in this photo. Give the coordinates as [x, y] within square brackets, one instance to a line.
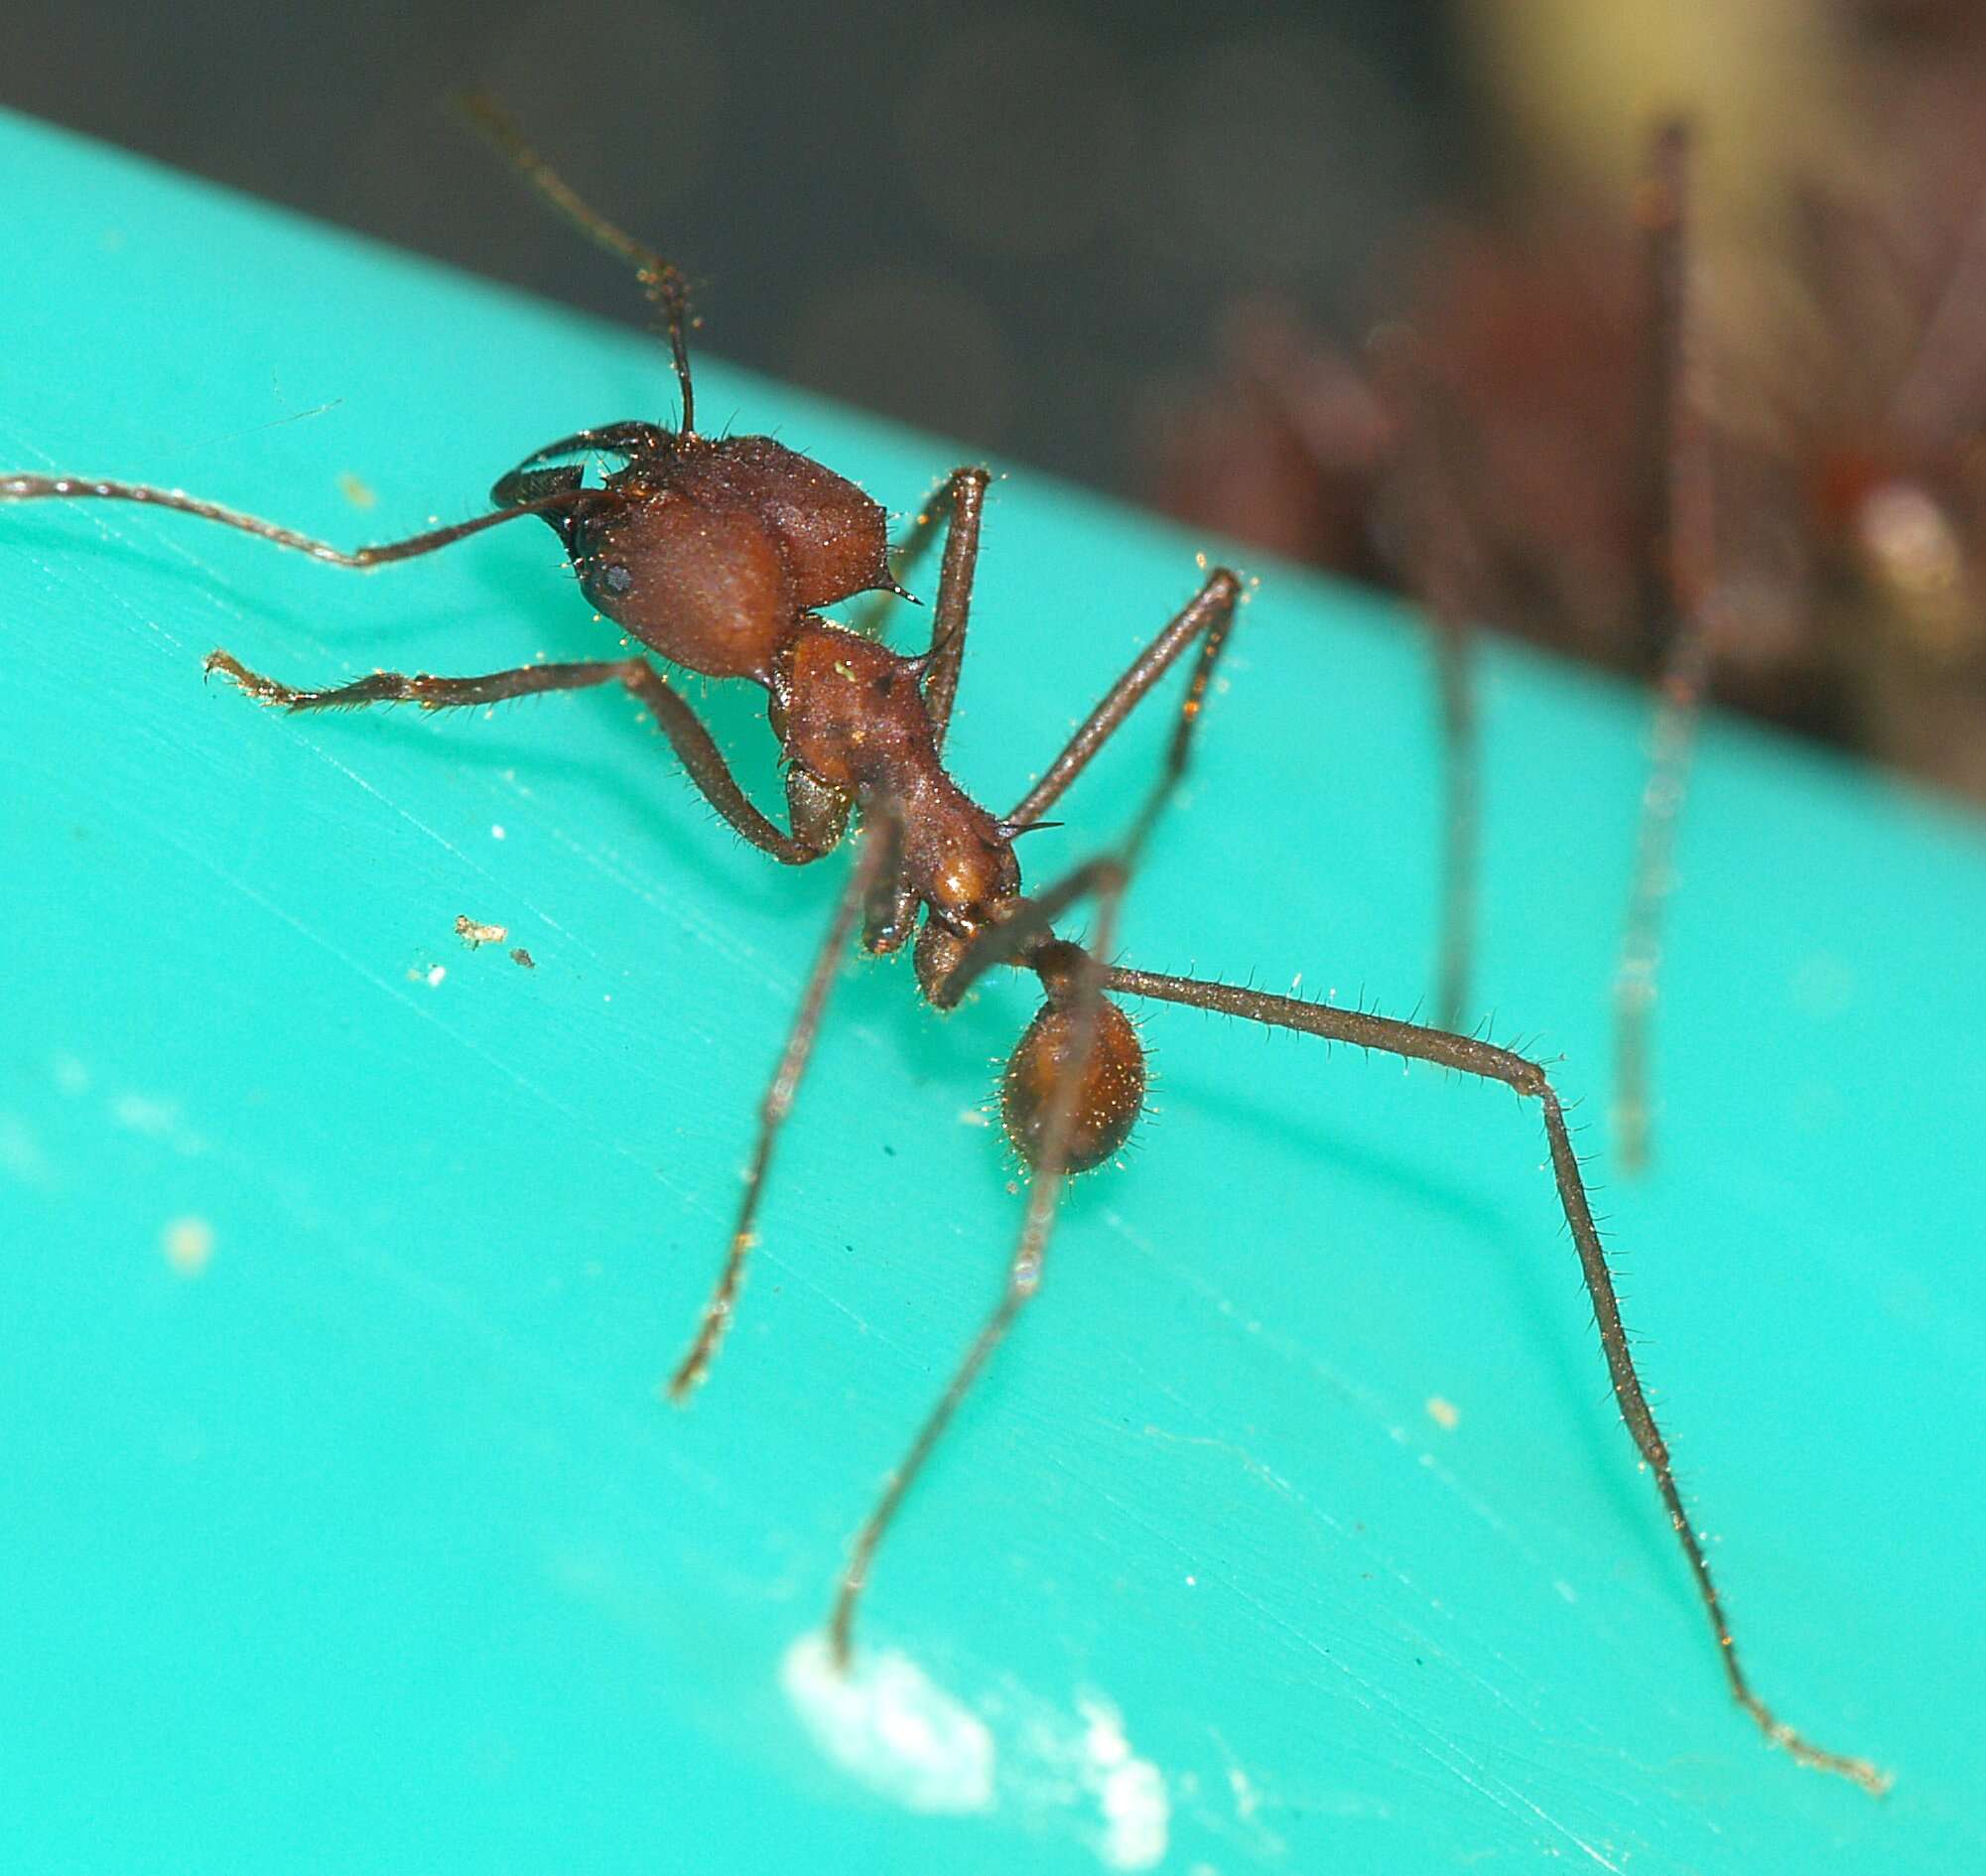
[719, 554]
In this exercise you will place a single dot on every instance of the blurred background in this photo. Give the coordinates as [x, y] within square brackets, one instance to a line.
[1145, 247]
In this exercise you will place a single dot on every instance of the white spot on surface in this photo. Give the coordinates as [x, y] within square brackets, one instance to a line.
[188, 1243]
[21, 1156]
[142, 1115]
[1138, 1814]
[496, 831]
[888, 1723]
[435, 975]
[155, 1120]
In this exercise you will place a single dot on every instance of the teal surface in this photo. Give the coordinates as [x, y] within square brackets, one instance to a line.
[344, 1528]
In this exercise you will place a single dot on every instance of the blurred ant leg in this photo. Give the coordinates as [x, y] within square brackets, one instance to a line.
[1671, 747]
[1445, 573]
[1083, 987]
[692, 742]
[878, 857]
[80, 488]
[1677, 588]
[1661, 213]
[663, 283]
[1461, 820]
[1411, 1042]
[1210, 611]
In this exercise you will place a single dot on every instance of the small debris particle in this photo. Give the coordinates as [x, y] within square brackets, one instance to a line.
[188, 1243]
[1443, 1413]
[472, 932]
[523, 957]
[496, 830]
[435, 975]
[356, 492]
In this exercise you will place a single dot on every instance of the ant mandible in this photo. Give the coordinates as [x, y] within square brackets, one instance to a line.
[719, 554]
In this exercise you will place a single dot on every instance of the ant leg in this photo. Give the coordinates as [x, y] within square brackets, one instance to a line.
[692, 742]
[1210, 611]
[1078, 975]
[1032, 919]
[1445, 571]
[964, 489]
[1675, 585]
[663, 283]
[1661, 213]
[878, 857]
[1466, 1054]
[1461, 820]
[80, 488]
[1023, 1274]
[966, 492]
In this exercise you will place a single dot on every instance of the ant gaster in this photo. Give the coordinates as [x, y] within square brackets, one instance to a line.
[717, 553]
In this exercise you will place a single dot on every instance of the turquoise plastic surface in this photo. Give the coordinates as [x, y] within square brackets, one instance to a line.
[344, 1528]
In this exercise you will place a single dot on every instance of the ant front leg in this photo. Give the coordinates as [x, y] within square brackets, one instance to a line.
[1211, 611]
[816, 832]
[1084, 1046]
[1082, 1079]
[879, 862]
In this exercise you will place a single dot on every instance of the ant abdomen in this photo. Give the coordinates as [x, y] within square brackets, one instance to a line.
[718, 549]
[1109, 1097]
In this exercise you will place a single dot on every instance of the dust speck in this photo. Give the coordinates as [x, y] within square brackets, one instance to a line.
[356, 491]
[473, 932]
[435, 975]
[1444, 1414]
[523, 957]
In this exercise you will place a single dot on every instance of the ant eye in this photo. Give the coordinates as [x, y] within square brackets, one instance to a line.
[616, 580]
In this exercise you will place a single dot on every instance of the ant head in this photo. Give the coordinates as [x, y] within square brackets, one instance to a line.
[710, 551]
[1109, 1097]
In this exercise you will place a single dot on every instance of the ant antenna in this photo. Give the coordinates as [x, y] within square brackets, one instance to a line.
[663, 283]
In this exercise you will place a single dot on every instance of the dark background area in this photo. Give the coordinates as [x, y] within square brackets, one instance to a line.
[1143, 246]
[1007, 224]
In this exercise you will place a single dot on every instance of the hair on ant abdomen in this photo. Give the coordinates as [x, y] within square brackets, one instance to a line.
[720, 554]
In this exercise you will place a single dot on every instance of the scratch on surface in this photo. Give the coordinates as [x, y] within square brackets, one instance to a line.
[1415, 1731]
